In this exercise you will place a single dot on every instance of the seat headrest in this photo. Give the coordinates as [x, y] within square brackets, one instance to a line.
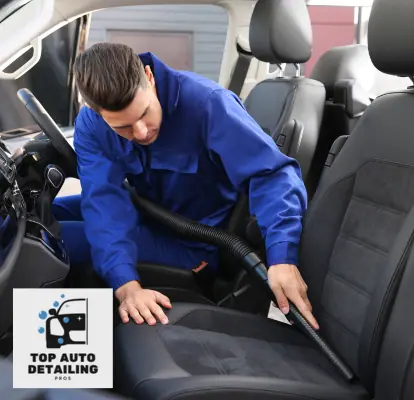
[281, 31]
[344, 62]
[391, 36]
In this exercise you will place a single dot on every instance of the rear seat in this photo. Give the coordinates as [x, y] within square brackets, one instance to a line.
[348, 74]
[288, 109]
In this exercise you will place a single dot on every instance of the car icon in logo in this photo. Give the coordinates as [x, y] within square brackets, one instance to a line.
[68, 324]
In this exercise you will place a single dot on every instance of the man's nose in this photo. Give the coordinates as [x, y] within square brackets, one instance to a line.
[140, 130]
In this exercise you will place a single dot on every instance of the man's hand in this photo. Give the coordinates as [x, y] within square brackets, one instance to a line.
[141, 304]
[286, 283]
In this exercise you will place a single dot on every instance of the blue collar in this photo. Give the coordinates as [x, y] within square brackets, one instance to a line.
[166, 80]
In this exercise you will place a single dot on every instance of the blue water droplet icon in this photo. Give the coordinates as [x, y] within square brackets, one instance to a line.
[66, 320]
[60, 340]
[41, 330]
[62, 296]
[43, 315]
[56, 304]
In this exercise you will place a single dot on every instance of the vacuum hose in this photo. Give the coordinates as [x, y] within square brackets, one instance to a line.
[240, 250]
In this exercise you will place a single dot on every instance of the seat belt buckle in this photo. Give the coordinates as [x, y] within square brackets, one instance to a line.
[202, 265]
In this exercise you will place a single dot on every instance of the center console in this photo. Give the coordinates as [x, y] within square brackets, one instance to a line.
[43, 261]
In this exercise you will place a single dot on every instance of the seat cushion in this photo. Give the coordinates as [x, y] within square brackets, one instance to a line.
[212, 353]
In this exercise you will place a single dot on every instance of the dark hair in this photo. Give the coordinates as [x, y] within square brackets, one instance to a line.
[108, 76]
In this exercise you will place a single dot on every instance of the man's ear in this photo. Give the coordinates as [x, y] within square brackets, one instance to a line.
[149, 75]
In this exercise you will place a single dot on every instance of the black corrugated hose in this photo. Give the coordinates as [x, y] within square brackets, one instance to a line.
[240, 250]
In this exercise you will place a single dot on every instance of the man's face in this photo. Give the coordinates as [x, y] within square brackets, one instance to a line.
[139, 122]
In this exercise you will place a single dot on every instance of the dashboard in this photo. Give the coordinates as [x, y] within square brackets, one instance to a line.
[12, 144]
[12, 219]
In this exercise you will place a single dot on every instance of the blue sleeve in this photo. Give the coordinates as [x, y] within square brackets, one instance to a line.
[110, 218]
[251, 159]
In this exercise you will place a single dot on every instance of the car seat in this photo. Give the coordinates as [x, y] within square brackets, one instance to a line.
[290, 109]
[356, 258]
[348, 74]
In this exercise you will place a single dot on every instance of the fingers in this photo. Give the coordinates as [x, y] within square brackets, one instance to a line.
[147, 315]
[163, 300]
[287, 283]
[158, 313]
[282, 300]
[144, 308]
[124, 315]
[135, 314]
[303, 305]
[308, 303]
[126, 310]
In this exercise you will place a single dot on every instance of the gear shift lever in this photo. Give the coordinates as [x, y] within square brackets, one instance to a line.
[54, 179]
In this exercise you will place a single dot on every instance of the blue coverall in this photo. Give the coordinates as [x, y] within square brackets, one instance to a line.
[209, 150]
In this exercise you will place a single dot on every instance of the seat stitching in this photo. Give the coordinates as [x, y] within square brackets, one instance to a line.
[373, 203]
[254, 390]
[339, 323]
[226, 363]
[180, 317]
[349, 284]
[222, 310]
[362, 243]
[351, 175]
[209, 353]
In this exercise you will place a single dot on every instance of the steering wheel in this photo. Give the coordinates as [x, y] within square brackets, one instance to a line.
[50, 129]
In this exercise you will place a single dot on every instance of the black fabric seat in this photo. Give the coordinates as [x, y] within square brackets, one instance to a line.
[356, 256]
[228, 355]
[348, 74]
[290, 109]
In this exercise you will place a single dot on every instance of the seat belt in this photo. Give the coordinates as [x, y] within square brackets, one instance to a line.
[240, 70]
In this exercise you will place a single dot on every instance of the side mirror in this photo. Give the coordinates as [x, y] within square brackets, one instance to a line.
[53, 311]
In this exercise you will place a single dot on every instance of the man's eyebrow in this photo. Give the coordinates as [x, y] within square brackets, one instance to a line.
[127, 126]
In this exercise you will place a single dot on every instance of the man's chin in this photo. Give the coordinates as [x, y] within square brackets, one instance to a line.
[151, 140]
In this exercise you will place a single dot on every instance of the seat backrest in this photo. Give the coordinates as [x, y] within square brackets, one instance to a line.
[356, 249]
[289, 109]
[348, 74]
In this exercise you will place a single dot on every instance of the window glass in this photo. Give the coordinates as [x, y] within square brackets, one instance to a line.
[334, 25]
[188, 37]
[47, 80]
[383, 83]
[331, 26]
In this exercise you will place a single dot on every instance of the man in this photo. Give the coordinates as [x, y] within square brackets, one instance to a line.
[188, 144]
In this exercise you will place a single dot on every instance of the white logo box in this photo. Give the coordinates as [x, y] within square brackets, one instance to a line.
[63, 338]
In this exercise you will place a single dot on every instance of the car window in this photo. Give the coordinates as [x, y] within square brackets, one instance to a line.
[383, 83]
[338, 26]
[331, 26]
[47, 80]
[187, 37]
